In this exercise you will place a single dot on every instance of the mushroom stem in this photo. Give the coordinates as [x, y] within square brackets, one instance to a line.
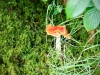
[58, 43]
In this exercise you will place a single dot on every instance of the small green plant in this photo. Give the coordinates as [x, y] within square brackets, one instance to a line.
[91, 11]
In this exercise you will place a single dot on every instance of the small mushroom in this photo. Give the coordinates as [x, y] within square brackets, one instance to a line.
[57, 31]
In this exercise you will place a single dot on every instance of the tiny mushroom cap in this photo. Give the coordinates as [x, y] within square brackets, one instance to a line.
[57, 31]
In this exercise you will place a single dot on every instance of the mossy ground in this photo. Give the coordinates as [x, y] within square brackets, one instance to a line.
[26, 49]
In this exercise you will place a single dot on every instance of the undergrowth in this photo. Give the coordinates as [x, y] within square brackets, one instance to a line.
[26, 49]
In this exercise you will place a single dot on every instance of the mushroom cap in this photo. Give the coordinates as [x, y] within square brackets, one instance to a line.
[57, 31]
[67, 35]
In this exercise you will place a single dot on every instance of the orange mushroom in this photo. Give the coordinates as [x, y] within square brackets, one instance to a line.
[57, 31]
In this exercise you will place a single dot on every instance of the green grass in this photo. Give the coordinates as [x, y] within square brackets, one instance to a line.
[78, 57]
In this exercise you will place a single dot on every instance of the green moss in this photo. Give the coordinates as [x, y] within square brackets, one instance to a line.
[25, 49]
